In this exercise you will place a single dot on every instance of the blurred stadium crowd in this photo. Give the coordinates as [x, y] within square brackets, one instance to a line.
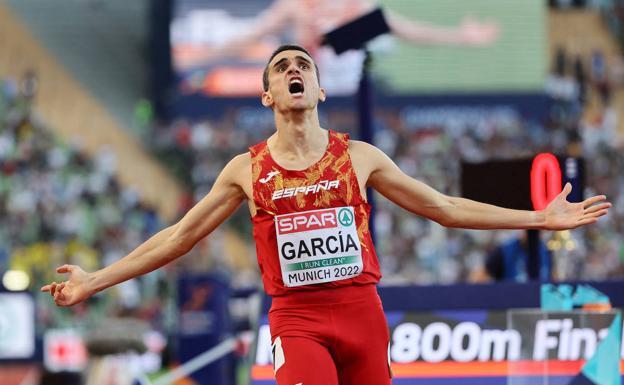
[58, 205]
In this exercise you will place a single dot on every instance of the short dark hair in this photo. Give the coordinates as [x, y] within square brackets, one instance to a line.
[282, 48]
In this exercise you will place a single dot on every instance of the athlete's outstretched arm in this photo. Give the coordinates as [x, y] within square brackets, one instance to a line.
[417, 197]
[470, 32]
[165, 246]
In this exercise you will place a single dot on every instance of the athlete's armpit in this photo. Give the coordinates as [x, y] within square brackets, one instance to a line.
[382, 174]
[226, 195]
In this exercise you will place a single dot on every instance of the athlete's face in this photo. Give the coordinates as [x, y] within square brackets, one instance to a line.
[293, 84]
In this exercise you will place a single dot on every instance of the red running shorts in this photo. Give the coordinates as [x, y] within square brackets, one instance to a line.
[330, 337]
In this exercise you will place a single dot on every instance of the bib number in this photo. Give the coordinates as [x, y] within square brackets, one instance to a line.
[318, 246]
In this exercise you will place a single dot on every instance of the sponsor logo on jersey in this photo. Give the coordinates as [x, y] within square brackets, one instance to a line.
[269, 176]
[311, 189]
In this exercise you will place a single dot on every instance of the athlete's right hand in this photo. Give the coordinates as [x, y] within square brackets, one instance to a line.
[74, 290]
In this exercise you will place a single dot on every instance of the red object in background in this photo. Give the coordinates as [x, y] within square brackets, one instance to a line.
[183, 135]
[524, 183]
[8, 168]
[20, 374]
[545, 180]
[64, 350]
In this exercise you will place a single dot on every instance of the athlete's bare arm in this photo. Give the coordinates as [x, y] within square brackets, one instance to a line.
[229, 190]
[469, 32]
[376, 170]
[273, 19]
[281, 14]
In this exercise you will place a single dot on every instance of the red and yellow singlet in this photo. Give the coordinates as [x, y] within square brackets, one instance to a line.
[311, 226]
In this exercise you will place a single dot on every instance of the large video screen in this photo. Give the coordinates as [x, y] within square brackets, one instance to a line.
[220, 48]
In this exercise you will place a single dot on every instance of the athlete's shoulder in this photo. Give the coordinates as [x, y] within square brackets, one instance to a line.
[365, 156]
[240, 161]
[238, 167]
[242, 158]
[359, 147]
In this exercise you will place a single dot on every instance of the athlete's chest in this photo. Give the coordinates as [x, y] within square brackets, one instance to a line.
[322, 185]
[279, 184]
[279, 190]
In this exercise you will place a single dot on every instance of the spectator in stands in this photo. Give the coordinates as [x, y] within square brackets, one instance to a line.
[580, 76]
[599, 77]
[509, 261]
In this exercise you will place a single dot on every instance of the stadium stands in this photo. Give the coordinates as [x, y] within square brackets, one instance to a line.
[77, 115]
[58, 205]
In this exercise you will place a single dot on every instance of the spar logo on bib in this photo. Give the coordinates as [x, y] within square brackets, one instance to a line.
[318, 246]
[310, 220]
[345, 217]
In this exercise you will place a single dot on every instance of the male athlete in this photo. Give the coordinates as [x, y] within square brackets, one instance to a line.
[305, 187]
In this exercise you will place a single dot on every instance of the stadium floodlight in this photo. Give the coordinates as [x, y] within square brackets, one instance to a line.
[15, 280]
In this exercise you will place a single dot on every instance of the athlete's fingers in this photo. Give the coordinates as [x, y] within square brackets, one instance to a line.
[595, 214]
[65, 269]
[59, 291]
[595, 199]
[586, 221]
[566, 190]
[595, 208]
[598, 213]
[52, 288]
[45, 288]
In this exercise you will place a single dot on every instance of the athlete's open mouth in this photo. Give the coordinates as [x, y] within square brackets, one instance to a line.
[295, 86]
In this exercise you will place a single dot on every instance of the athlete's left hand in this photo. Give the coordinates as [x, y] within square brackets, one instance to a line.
[563, 215]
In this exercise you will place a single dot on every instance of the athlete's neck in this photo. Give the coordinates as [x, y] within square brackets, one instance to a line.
[299, 136]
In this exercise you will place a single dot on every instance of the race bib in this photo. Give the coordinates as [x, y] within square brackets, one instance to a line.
[318, 246]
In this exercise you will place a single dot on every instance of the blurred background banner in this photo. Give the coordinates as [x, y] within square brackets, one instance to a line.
[482, 338]
[220, 49]
[203, 323]
[517, 61]
[17, 329]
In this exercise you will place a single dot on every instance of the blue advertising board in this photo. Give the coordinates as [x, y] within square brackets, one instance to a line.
[463, 335]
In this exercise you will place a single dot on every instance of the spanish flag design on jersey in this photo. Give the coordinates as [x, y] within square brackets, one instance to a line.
[311, 226]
